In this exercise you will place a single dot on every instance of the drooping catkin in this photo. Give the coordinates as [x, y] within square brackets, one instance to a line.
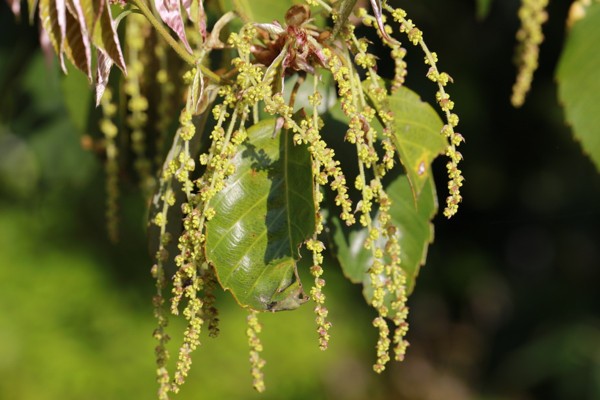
[256, 361]
[533, 15]
[111, 167]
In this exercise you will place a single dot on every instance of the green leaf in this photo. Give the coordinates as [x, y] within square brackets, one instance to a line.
[413, 221]
[263, 215]
[416, 134]
[259, 10]
[78, 100]
[578, 83]
[483, 8]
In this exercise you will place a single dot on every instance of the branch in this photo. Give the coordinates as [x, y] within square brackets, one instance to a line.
[175, 45]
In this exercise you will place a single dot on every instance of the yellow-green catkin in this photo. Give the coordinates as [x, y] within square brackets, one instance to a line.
[362, 134]
[533, 15]
[388, 280]
[256, 361]
[193, 275]
[167, 200]
[397, 52]
[160, 334]
[315, 246]
[188, 282]
[137, 103]
[441, 79]
[110, 131]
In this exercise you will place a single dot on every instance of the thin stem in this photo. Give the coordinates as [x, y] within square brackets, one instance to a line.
[182, 52]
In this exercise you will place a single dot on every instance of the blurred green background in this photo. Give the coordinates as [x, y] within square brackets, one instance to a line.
[506, 308]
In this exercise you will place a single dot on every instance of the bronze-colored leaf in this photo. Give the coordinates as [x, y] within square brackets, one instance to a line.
[77, 47]
[105, 37]
[49, 18]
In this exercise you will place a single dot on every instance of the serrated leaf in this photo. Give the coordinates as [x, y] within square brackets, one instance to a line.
[87, 11]
[262, 216]
[31, 6]
[103, 67]
[76, 46]
[578, 83]
[170, 13]
[51, 18]
[413, 221]
[105, 37]
[416, 134]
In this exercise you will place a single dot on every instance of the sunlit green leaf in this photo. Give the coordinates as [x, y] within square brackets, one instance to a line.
[413, 221]
[578, 83]
[263, 215]
[259, 10]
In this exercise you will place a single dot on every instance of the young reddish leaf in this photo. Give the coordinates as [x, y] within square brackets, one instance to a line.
[376, 6]
[105, 37]
[103, 67]
[31, 5]
[77, 46]
[15, 6]
[87, 12]
[195, 12]
[170, 13]
[75, 10]
[201, 22]
[55, 33]
[61, 11]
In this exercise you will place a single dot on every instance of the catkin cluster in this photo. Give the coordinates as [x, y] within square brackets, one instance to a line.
[264, 55]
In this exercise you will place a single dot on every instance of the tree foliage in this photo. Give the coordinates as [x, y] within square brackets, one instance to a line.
[267, 132]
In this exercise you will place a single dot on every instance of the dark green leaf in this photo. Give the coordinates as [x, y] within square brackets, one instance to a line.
[413, 221]
[263, 215]
[483, 8]
[578, 83]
